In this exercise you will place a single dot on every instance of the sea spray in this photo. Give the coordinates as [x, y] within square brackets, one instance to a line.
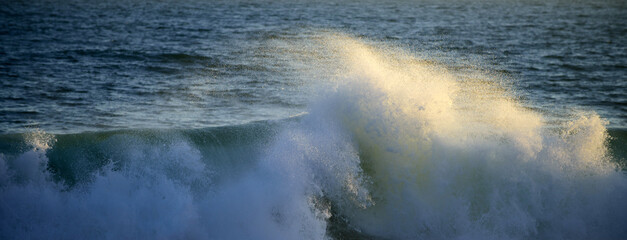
[447, 163]
[136, 201]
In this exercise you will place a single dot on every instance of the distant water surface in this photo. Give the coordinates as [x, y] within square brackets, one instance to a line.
[73, 66]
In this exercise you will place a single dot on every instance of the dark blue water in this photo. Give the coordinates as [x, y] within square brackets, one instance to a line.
[193, 119]
[73, 66]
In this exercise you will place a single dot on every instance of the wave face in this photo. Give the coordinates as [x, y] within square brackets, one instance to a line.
[393, 147]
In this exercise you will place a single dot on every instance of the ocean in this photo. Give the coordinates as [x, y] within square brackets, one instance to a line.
[200, 119]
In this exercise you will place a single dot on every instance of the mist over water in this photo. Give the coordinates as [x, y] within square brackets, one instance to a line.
[392, 146]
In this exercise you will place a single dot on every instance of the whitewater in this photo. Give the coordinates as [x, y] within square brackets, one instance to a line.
[392, 146]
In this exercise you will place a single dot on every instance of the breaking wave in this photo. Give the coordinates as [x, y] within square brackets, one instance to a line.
[392, 147]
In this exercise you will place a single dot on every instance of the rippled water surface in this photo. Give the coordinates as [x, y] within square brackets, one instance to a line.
[72, 66]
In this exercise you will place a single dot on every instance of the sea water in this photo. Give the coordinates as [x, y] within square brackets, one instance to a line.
[313, 120]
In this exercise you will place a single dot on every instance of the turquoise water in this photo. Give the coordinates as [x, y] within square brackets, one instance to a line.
[298, 120]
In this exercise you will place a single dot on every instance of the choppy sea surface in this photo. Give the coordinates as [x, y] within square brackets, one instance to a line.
[313, 120]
